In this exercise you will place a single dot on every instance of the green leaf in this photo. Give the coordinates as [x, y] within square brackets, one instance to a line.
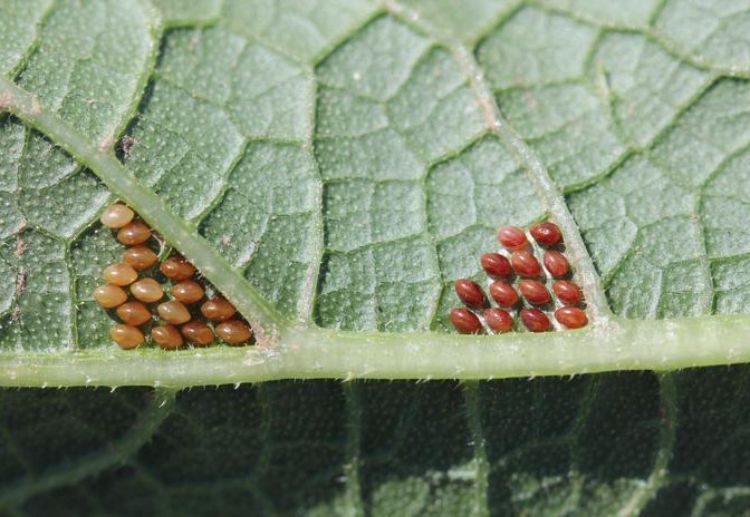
[332, 167]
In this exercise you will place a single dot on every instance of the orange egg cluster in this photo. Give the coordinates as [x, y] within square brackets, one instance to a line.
[170, 323]
[513, 269]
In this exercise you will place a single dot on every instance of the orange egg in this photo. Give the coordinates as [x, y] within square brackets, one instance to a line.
[110, 296]
[167, 337]
[116, 216]
[126, 336]
[234, 331]
[218, 309]
[173, 312]
[120, 274]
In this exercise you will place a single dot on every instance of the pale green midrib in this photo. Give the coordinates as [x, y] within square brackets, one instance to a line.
[117, 452]
[314, 353]
[262, 315]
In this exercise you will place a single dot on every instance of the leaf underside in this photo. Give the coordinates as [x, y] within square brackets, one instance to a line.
[340, 163]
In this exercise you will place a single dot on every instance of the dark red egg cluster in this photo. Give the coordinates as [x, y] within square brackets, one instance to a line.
[170, 323]
[514, 269]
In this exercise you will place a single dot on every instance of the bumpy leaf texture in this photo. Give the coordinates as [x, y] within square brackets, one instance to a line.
[338, 154]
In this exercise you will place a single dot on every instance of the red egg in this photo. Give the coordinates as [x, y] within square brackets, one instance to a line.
[534, 291]
[465, 321]
[503, 293]
[556, 263]
[470, 293]
[511, 237]
[546, 234]
[535, 320]
[571, 317]
[498, 320]
[496, 265]
[567, 292]
[525, 263]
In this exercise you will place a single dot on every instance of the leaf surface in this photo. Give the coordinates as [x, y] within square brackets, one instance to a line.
[340, 164]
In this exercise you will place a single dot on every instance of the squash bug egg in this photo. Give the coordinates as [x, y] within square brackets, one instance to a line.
[567, 292]
[525, 263]
[110, 296]
[198, 333]
[534, 291]
[167, 337]
[470, 293]
[498, 319]
[177, 268]
[546, 234]
[187, 291]
[503, 293]
[535, 320]
[140, 257]
[147, 290]
[116, 216]
[556, 263]
[120, 274]
[218, 309]
[126, 336]
[465, 321]
[134, 233]
[133, 313]
[571, 317]
[496, 265]
[233, 332]
[173, 312]
[511, 237]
